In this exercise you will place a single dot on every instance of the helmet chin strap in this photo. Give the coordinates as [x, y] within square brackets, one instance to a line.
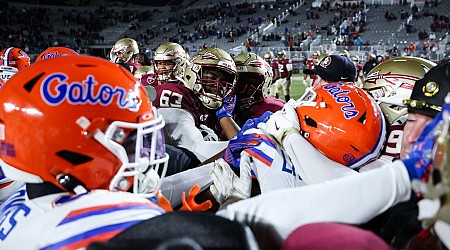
[71, 184]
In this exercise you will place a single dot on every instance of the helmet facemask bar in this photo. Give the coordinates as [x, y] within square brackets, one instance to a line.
[140, 165]
[213, 92]
[247, 89]
[309, 98]
[120, 54]
[167, 75]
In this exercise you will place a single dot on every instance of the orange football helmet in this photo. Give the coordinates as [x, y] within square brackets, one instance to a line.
[55, 52]
[12, 60]
[93, 126]
[343, 122]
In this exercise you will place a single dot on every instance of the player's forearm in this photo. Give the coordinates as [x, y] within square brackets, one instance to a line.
[312, 165]
[173, 186]
[229, 126]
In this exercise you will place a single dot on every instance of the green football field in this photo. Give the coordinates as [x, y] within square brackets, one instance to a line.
[297, 87]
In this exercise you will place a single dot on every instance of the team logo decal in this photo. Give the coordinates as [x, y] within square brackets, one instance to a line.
[55, 90]
[209, 56]
[49, 55]
[348, 157]
[399, 80]
[325, 62]
[341, 97]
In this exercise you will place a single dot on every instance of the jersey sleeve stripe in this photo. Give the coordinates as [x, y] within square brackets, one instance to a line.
[93, 211]
[98, 234]
[260, 155]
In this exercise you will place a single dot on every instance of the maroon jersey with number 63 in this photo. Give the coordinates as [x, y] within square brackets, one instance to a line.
[172, 95]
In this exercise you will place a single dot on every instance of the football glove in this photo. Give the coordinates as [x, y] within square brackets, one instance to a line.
[227, 187]
[282, 123]
[227, 107]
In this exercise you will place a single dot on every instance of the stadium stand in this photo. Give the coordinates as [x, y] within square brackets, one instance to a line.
[300, 27]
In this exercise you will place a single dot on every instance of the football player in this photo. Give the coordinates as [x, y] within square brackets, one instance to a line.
[268, 57]
[310, 64]
[146, 75]
[165, 61]
[284, 83]
[74, 193]
[253, 87]
[12, 60]
[359, 75]
[202, 107]
[387, 185]
[123, 53]
[112, 142]
[390, 83]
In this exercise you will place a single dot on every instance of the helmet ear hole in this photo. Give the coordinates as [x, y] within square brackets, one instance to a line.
[73, 157]
[310, 122]
[362, 119]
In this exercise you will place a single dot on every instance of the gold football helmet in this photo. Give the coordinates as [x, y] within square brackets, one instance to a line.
[143, 70]
[392, 81]
[268, 56]
[255, 78]
[216, 76]
[167, 55]
[123, 50]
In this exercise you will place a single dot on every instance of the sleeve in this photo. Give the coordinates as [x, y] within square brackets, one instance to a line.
[271, 167]
[352, 199]
[173, 186]
[311, 164]
[181, 131]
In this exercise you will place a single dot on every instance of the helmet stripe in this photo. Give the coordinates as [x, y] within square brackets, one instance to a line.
[6, 59]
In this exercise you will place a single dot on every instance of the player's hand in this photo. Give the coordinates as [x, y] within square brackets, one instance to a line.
[252, 123]
[208, 133]
[237, 144]
[227, 107]
[227, 187]
[419, 161]
[282, 123]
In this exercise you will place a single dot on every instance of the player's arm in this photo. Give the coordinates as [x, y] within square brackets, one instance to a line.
[352, 199]
[312, 165]
[224, 115]
[181, 130]
[289, 69]
[276, 74]
[229, 126]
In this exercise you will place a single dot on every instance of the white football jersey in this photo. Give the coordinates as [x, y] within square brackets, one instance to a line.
[64, 221]
[271, 164]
